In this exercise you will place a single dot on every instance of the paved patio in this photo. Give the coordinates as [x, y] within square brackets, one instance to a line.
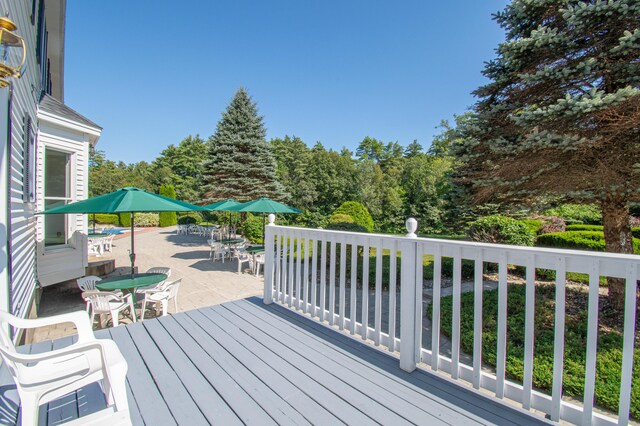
[204, 282]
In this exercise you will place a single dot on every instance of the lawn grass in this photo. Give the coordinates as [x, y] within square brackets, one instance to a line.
[609, 357]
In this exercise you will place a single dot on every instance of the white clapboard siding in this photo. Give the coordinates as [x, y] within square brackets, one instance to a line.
[367, 323]
[20, 221]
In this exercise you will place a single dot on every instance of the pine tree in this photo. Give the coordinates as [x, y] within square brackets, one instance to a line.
[240, 163]
[562, 111]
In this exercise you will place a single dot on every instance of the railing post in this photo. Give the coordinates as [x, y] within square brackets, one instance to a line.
[410, 318]
[268, 260]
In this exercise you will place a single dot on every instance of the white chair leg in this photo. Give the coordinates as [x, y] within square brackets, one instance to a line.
[118, 396]
[132, 310]
[175, 303]
[144, 308]
[29, 409]
[165, 306]
[114, 317]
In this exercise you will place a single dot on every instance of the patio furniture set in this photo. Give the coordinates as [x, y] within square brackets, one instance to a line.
[100, 243]
[111, 296]
[236, 248]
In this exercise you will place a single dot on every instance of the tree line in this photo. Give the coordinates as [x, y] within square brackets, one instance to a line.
[394, 182]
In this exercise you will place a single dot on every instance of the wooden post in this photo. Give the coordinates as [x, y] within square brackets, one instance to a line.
[408, 291]
[268, 261]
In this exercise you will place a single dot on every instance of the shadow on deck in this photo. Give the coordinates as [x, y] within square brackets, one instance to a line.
[246, 362]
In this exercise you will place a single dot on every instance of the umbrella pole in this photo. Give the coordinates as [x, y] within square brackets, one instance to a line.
[94, 223]
[263, 228]
[132, 255]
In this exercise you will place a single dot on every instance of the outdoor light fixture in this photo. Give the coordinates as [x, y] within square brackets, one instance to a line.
[10, 42]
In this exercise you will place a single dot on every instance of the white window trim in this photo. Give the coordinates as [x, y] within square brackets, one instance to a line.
[69, 224]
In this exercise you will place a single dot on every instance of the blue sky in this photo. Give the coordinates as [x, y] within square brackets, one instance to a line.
[152, 72]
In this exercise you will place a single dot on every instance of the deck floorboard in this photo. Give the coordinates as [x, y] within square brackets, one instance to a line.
[244, 362]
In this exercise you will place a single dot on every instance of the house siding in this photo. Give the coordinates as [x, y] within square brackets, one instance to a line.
[21, 223]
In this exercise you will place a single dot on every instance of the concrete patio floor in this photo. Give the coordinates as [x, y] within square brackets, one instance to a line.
[204, 282]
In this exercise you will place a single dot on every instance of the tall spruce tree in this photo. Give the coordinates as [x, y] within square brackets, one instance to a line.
[240, 163]
[561, 115]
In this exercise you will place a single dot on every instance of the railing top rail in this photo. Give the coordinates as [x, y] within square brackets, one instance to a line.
[592, 255]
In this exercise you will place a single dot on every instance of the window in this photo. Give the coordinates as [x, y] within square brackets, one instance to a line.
[57, 192]
[28, 162]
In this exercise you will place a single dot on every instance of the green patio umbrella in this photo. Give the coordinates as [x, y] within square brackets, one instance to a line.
[264, 205]
[225, 205]
[125, 200]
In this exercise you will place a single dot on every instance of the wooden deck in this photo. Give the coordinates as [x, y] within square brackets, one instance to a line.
[245, 362]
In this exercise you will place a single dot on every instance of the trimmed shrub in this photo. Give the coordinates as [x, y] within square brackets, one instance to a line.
[146, 219]
[597, 228]
[345, 226]
[106, 218]
[167, 218]
[580, 240]
[125, 219]
[500, 229]
[189, 218]
[588, 214]
[252, 229]
[311, 219]
[340, 218]
[635, 231]
[552, 224]
[534, 225]
[358, 213]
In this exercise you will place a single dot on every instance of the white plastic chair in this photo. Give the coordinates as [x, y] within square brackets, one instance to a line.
[167, 292]
[41, 378]
[86, 285]
[95, 246]
[112, 303]
[258, 260]
[218, 251]
[107, 243]
[243, 257]
[154, 270]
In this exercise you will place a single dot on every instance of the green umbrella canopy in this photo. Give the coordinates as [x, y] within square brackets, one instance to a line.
[123, 200]
[264, 205]
[225, 205]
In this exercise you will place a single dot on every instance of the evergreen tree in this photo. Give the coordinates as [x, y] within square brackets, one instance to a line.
[413, 149]
[181, 167]
[562, 111]
[240, 162]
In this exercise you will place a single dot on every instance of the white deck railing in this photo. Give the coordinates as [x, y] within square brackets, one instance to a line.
[306, 270]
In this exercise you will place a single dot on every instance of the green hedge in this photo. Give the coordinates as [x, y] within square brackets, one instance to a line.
[609, 357]
[340, 218]
[252, 229]
[146, 219]
[635, 231]
[580, 240]
[358, 213]
[125, 219]
[580, 227]
[106, 218]
[345, 226]
[577, 213]
[189, 218]
[533, 225]
[167, 218]
[502, 230]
